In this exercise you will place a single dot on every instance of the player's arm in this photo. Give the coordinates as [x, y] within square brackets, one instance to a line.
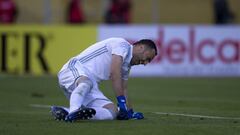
[117, 84]
[116, 75]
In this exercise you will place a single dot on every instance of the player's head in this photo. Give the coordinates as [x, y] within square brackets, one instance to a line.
[143, 52]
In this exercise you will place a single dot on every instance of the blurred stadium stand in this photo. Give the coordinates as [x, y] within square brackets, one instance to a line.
[152, 11]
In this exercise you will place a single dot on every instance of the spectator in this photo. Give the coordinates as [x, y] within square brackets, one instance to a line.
[223, 14]
[8, 11]
[75, 12]
[118, 12]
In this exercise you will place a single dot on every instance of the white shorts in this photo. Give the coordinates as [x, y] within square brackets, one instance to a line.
[67, 78]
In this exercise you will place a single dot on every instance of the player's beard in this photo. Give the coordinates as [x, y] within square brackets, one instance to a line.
[132, 62]
[135, 60]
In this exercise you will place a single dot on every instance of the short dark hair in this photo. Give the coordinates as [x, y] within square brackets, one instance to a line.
[148, 43]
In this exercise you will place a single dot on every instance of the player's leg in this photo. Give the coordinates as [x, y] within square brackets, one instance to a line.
[75, 89]
[83, 86]
[105, 109]
[66, 82]
[107, 112]
[59, 112]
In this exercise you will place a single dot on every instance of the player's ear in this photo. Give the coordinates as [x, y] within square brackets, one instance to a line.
[142, 47]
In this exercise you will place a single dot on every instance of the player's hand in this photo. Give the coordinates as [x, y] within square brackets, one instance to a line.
[122, 103]
[135, 115]
[123, 113]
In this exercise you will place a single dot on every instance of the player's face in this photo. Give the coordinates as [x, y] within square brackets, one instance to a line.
[143, 57]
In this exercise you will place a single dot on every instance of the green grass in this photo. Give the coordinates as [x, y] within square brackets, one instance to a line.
[201, 96]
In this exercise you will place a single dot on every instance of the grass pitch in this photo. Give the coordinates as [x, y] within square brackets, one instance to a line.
[198, 96]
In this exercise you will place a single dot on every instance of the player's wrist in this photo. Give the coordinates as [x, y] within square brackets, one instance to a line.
[130, 112]
[121, 99]
[122, 103]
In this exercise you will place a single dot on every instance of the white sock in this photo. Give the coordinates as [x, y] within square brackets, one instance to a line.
[65, 108]
[78, 95]
[103, 114]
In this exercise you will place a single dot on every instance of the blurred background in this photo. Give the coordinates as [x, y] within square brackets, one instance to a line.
[138, 11]
[194, 37]
[191, 87]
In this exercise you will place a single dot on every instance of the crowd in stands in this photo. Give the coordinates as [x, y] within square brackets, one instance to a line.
[118, 11]
[8, 11]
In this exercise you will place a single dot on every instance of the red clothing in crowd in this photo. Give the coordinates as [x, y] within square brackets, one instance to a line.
[119, 12]
[75, 12]
[7, 11]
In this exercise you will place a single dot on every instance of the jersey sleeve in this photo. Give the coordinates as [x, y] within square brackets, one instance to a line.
[121, 49]
[125, 74]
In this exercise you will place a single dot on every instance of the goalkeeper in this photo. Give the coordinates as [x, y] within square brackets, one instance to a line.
[110, 59]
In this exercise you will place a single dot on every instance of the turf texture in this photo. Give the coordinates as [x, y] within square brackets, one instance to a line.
[198, 96]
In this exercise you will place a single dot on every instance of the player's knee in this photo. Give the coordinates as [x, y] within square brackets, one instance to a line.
[106, 114]
[84, 81]
[113, 115]
[83, 84]
[112, 109]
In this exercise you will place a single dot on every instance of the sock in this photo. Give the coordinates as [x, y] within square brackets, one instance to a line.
[65, 108]
[103, 114]
[78, 95]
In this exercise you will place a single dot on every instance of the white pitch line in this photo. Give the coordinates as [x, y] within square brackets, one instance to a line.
[197, 116]
[163, 113]
[40, 106]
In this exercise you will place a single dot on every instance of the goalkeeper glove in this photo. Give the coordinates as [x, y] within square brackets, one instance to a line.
[135, 115]
[123, 113]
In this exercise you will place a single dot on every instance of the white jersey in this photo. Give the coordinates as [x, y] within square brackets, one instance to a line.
[97, 58]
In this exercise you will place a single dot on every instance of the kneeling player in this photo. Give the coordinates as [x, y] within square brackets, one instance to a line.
[110, 59]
